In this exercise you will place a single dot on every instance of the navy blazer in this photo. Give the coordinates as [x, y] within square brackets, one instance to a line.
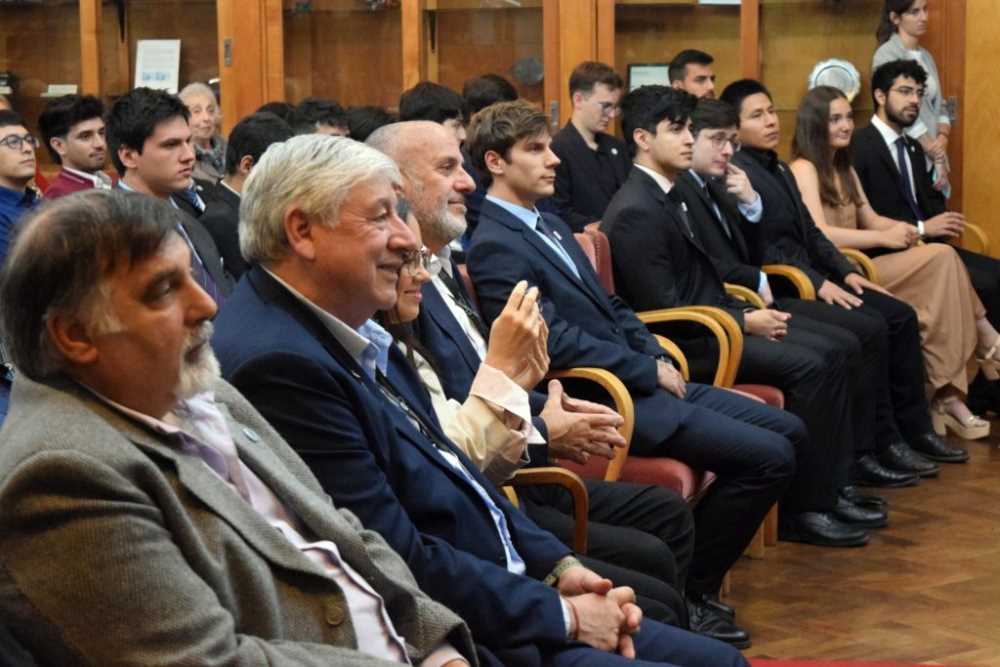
[647, 227]
[372, 460]
[790, 235]
[587, 326]
[456, 360]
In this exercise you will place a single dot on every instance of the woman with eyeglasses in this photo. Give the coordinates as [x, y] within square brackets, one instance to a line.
[493, 425]
[902, 24]
[930, 277]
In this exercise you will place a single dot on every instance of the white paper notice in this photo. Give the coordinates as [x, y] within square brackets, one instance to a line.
[158, 64]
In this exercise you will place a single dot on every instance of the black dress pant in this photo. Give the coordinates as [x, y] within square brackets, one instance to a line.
[891, 363]
[638, 535]
[813, 370]
[984, 272]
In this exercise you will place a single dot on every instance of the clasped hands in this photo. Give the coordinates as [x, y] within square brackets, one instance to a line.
[604, 617]
[518, 347]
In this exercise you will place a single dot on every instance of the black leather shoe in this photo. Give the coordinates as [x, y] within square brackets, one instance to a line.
[869, 472]
[861, 517]
[718, 605]
[863, 500]
[933, 447]
[708, 621]
[899, 456]
[822, 529]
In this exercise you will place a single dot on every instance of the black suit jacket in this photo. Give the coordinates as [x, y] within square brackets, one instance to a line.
[881, 180]
[651, 229]
[580, 196]
[790, 235]
[222, 218]
[735, 248]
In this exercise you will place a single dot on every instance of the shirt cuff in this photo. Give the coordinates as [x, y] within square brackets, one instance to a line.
[916, 130]
[503, 393]
[762, 284]
[567, 617]
[445, 653]
[752, 211]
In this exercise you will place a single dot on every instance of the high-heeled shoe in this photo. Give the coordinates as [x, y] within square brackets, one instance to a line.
[989, 362]
[972, 428]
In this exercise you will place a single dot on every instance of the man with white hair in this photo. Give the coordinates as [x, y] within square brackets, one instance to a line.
[318, 222]
[176, 526]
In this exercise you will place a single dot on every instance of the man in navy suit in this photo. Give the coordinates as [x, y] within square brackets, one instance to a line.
[749, 446]
[326, 245]
[635, 531]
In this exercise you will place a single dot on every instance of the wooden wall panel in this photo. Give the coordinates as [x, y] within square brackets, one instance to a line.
[479, 41]
[90, 47]
[978, 113]
[577, 42]
[796, 34]
[657, 34]
[342, 51]
[40, 45]
[945, 39]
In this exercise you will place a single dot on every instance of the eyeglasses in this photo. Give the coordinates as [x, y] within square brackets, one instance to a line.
[421, 259]
[16, 142]
[908, 91]
[719, 142]
[609, 108]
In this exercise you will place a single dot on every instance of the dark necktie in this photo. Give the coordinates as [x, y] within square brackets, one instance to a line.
[546, 230]
[199, 272]
[904, 179]
[717, 211]
[463, 305]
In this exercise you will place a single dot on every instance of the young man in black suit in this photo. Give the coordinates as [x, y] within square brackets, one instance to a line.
[727, 212]
[247, 142]
[592, 163]
[750, 446]
[651, 226]
[897, 87]
[885, 327]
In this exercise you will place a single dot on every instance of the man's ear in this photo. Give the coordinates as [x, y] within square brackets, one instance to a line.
[245, 165]
[58, 145]
[495, 163]
[299, 232]
[879, 96]
[578, 98]
[641, 138]
[71, 337]
[677, 84]
[128, 156]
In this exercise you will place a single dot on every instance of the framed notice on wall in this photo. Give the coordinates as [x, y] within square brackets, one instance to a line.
[647, 74]
[158, 64]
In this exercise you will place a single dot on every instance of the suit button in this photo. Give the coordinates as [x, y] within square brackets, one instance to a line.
[617, 330]
[334, 614]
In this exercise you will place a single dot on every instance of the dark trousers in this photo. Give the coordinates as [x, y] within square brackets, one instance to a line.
[817, 375]
[639, 535]
[984, 272]
[749, 446]
[892, 364]
[656, 644]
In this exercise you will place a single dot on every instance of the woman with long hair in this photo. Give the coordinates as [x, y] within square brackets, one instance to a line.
[902, 24]
[931, 277]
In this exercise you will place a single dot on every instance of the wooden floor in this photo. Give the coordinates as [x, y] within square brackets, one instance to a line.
[925, 590]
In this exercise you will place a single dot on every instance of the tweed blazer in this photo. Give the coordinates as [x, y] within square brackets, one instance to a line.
[117, 548]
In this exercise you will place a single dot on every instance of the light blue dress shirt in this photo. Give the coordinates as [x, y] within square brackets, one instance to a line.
[530, 218]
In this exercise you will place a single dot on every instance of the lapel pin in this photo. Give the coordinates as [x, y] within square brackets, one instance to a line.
[251, 434]
[614, 151]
